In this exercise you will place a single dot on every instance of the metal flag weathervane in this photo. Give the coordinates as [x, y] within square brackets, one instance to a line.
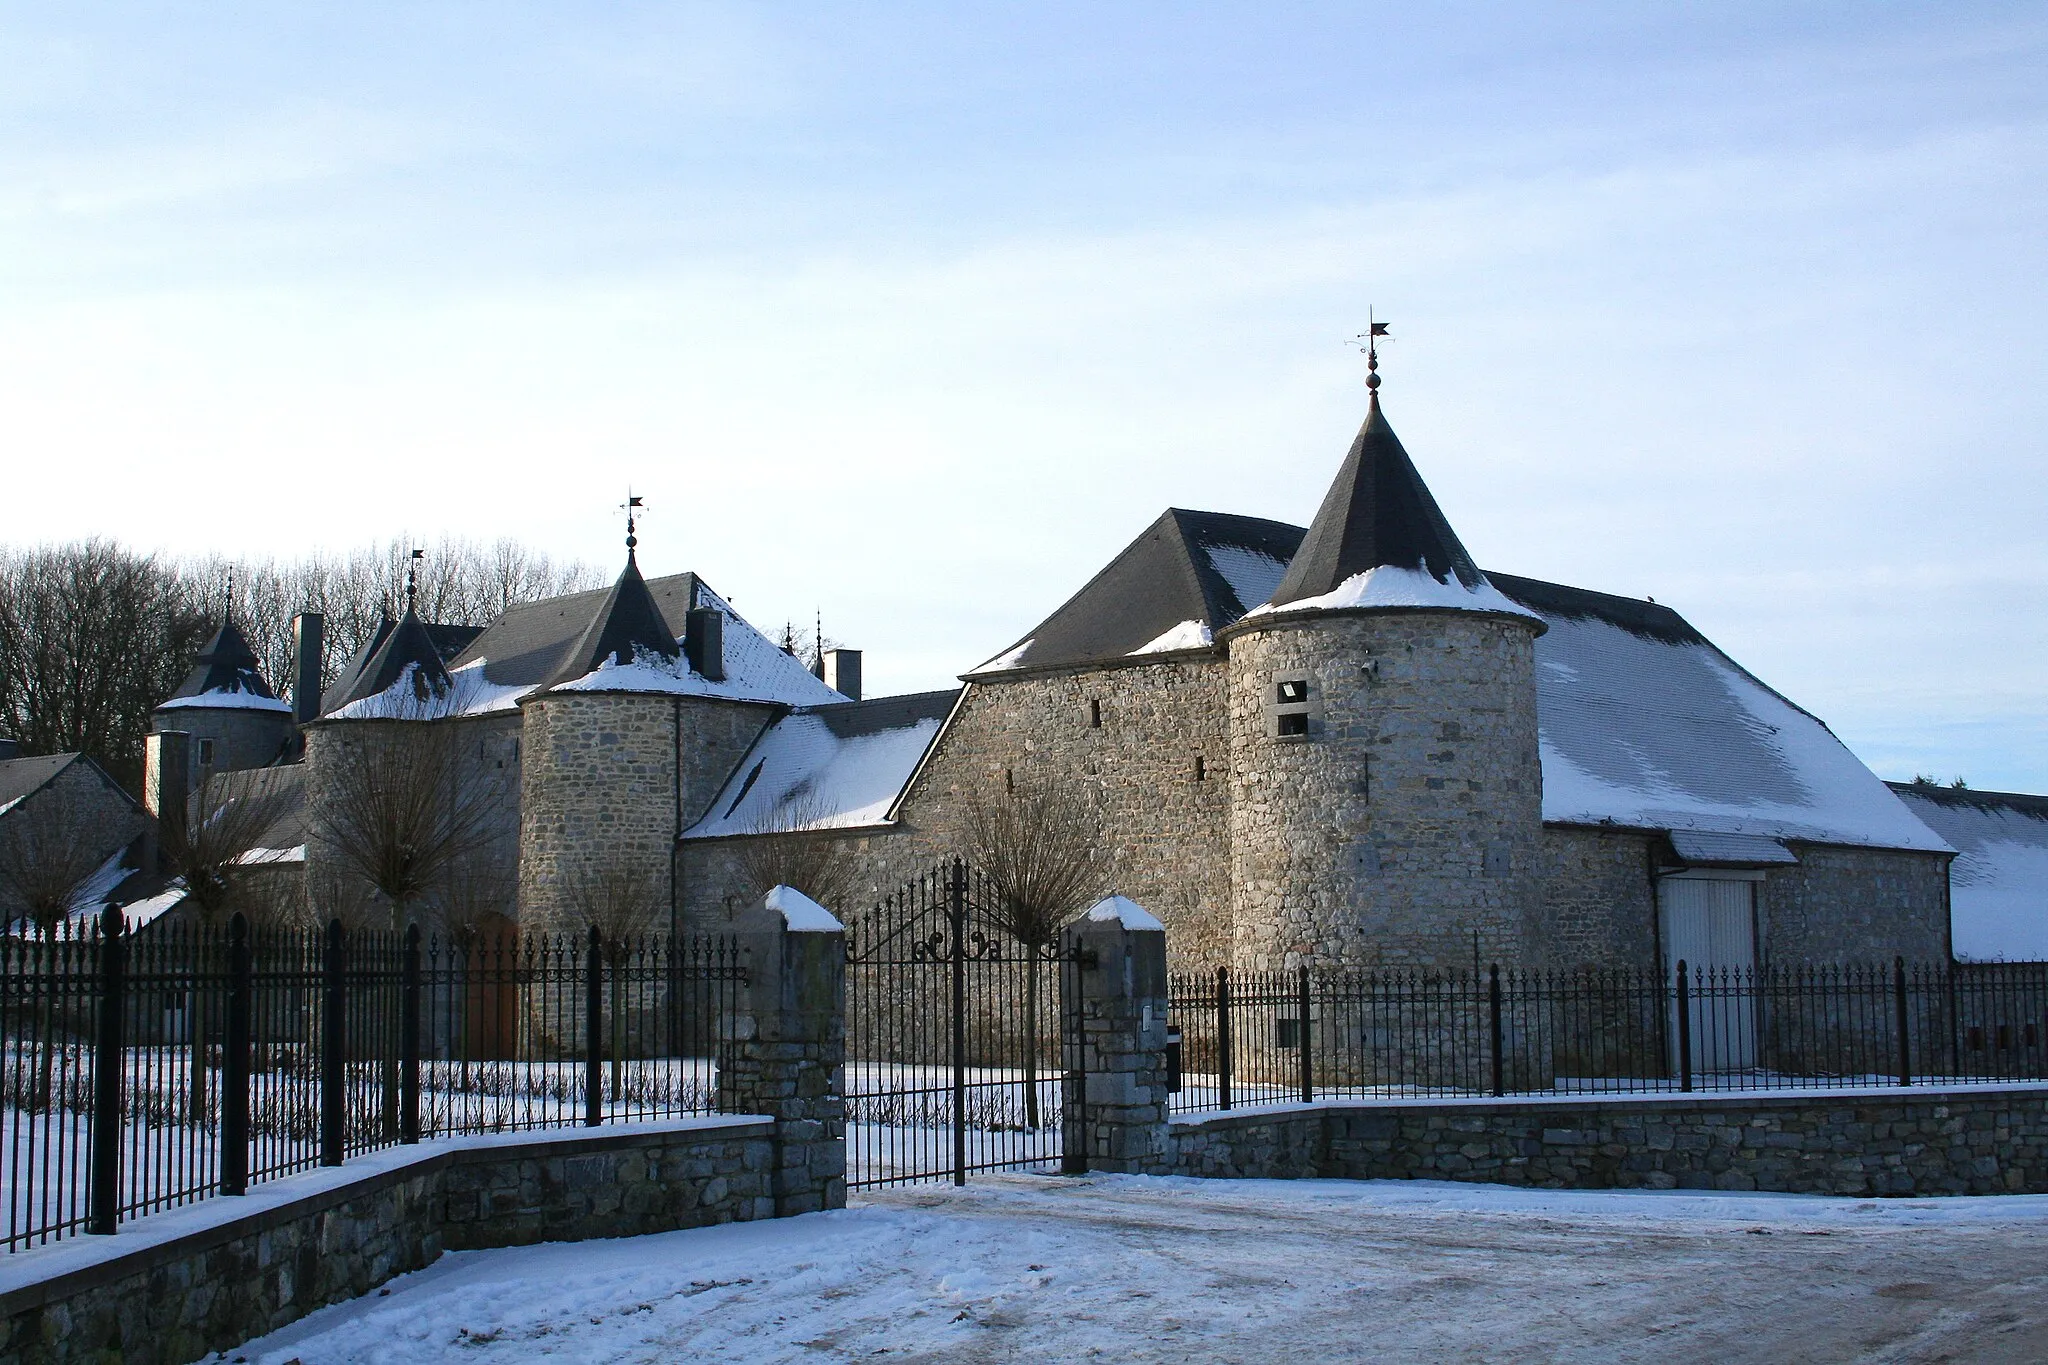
[412, 577]
[632, 507]
[1374, 330]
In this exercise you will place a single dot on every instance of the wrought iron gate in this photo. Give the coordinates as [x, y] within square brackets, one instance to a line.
[956, 1058]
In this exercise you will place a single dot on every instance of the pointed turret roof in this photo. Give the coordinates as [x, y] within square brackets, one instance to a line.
[1377, 512]
[628, 623]
[406, 644]
[226, 674]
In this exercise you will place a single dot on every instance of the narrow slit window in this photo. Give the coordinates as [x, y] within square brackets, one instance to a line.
[1094, 713]
[1201, 768]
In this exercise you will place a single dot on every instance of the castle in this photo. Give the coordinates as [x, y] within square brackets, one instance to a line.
[1339, 745]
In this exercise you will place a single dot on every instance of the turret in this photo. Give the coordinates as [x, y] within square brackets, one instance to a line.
[1386, 789]
[233, 719]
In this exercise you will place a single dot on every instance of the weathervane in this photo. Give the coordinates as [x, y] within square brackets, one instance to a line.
[412, 577]
[632, 507]
[1373, 332]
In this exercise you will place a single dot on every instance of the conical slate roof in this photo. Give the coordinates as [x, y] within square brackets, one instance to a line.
[227, 667]
[629, 622]
[1377, 512]
[406, 644]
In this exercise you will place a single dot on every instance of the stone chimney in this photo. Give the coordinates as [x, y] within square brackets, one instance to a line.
[842, 672]
[309, 632]
[167, 777]
[704, 643]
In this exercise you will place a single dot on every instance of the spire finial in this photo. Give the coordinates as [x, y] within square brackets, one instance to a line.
[227, 608]
[632, 507]
[1374, 330]
[412, 578]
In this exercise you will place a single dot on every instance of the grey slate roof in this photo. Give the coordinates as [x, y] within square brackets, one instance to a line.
[225, 664]
[21, 776]
[627, 622]
[1377, 511]
[1998, 883]
[406, 645]
[1186, 566]
[534, 643]
[447, 641]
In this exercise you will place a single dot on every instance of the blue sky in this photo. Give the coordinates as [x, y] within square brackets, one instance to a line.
[915, 315]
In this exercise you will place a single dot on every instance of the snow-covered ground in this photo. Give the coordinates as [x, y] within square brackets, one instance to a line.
[1132, 1269]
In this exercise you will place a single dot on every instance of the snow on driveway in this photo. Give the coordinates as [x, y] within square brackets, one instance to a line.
[1132, 1269]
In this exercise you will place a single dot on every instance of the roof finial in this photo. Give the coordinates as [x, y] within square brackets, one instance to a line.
[1373, 332]
[227, 608]
[631, 507]
[412, 578]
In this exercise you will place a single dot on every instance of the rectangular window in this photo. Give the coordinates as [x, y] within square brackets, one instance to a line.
[1094, 714]
[1291, 723]
[1287, 1033]
[1201, 769]
[1293, 692]
[205, 752]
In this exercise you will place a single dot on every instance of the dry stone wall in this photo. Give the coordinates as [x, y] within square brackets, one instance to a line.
[1401, 828]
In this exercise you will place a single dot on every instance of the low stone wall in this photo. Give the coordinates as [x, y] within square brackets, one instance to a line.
[1974, 1140]
[175, 1286]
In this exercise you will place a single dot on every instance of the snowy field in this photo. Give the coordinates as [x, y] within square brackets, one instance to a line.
[1130, 1269]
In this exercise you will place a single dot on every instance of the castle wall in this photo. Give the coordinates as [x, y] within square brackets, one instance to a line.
[1165, 831]
[608, 780]
[1855, 904]
[1599, 906]
[1401, 830]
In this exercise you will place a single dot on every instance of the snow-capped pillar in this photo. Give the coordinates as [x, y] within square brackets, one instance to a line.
[1116, 1096]
[784, 1048]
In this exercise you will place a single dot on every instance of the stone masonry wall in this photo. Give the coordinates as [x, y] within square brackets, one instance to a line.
[1855, 905]
[1990, 1141]
[1165, 829]
[211, 1289]
[601, 788]
[1599, 905]
[1402, 829]
[242, 737]
[76, 798]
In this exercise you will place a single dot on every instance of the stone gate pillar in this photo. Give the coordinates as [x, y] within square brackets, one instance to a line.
[783, 1053]
[1116, 1101]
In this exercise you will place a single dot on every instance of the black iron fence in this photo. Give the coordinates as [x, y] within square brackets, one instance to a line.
[1258, 1038]
[146, 1070]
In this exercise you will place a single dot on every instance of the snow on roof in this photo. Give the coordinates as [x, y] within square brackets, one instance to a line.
[91, 895]
[1998, 884]
[1009, 658]
[1251, 573]
[827, 767]
[230, 698]
[800, 913]
[1186, 635]
[150, 908]
[1391, 585]
[1645, 724]
[1122, 910]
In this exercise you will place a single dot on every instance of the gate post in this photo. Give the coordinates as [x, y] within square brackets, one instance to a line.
[1116, 1097]
[783, 1048]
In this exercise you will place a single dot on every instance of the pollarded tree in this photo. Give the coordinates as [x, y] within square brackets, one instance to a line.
[787, 846]
[1036, 847]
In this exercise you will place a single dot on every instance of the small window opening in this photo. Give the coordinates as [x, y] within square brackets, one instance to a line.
[205, 751]
[1095, 713]
[1201, 768]
[1293, 723]
[1293, 690]
[1287, 1033]
[1009, 779]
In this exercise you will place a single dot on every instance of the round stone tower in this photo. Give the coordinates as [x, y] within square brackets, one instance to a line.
[1386, 793]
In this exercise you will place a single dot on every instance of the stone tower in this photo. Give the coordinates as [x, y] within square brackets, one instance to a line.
[1385, 784]
[232, 718]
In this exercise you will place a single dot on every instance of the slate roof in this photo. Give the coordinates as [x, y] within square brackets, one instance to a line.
[21, 776]
[1376, 512]
[828, 767]
[628, 622]
[1998, 883]
[226, 669]
[447, 640]
[1205, 568]
[406, 645]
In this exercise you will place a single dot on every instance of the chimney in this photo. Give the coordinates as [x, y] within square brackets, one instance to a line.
[309, 632]
[842, 672]
[704, 643]
[167, 777]
[9, 748]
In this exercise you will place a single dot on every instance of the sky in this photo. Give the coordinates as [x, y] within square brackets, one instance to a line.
[913, 315]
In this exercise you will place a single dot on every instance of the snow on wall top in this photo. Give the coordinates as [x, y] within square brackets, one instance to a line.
[827, 767]
[1998, 884]
[1645, 724]
[1122, 910]
[800, 914]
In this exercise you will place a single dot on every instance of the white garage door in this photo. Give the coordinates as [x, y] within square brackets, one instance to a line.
[1711, 927]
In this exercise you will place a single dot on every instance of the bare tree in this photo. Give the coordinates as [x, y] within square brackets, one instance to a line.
[787, 846]
[402, 811]
[620, 900]
[1036, 847]
[50, 847]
